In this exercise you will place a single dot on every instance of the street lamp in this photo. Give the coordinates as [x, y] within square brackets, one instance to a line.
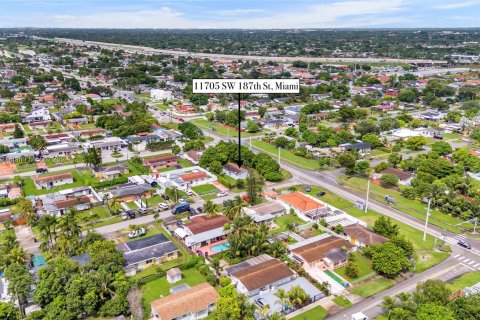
[426, 220]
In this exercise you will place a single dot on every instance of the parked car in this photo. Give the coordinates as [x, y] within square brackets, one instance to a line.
[131, 214]
[193, 211]
[189, 192]
[165, 197]
[321, 193]
[222, 194]
[181, 207]
[135, 233]
[163, 206]
[41, 170]
[142, 210]
[308, 189]
[465, 244]
[200, 209]
[182, 201]
[124, 215]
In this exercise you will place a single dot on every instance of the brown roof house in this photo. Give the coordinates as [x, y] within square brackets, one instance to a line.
[362, 236]
[404, 178]
[234, 171]
[193, 303]
[158, 163]
[328, 252]
[259, 274]
[52, 181]
[202, 230]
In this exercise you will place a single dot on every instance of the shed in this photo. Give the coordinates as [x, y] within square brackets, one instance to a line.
[174, 275]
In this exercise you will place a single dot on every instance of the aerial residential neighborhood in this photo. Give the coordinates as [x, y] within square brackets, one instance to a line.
[126, 193]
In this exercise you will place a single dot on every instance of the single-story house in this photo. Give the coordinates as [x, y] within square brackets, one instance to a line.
[130, 192]
[162, 162]
[56, 138]
[306, 207]
[326, 253]
[110, 172]
[62, 150]
[404, 177]
[58, 203]
[202, 230]
[7, 127]
[52, 181]
[361, 236]
[194, 303]
[234, 171]
[145, 252]
[259, 274]
[265, 212]
[193, 156]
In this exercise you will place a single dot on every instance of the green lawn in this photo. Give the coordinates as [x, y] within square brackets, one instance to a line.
[372, 287]
[286, 156]
[426, 260]
[106, 222]
[81, 178]
[285, 220]
[205, 189]
[160, 287]
[414, 208]
[342, 301]
[364, 268]
[184, 163]
[465, 280]
[153, 201]
[316, 313]
[221, 129]
[25, 167]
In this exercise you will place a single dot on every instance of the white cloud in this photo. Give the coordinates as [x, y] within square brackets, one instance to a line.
[457, 5]
[238, 12]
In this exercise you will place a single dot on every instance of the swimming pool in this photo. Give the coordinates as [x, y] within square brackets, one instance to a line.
[220, 247]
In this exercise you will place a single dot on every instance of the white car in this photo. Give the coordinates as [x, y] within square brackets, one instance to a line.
[163, 206]
[124, 215]
[222, 194]
[189, 192]
[134, 233]
[182, 201]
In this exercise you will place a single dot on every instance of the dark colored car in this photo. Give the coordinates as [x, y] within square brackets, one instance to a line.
[464, 244]
[321, 193]
[165, 197]
[200, 209]
[41, 170]
[131, 214]
[193, 212]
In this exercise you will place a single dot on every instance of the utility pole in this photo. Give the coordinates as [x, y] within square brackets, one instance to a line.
[368, 194]
[279, 155]
[426, 219]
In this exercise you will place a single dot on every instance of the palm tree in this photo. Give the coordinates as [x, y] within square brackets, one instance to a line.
[47, 225]
[283, 300]
[297, 296]
[211, 209]
[388, 304]
[215, 265]
[113, 205]
[235, 207]
[276, 316]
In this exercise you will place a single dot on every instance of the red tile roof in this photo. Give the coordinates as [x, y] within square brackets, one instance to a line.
[300, 201]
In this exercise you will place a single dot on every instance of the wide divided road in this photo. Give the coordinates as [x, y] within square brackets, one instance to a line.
[221, 57]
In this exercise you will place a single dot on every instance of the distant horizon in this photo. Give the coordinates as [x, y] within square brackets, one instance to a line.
[248, 14]
[255, 29]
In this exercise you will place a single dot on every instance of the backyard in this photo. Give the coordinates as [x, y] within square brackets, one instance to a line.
[283, 221]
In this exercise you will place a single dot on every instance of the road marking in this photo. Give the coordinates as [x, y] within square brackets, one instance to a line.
[465, 261]
[478, 264]
[468, 267]
[461, 258]
[456, 255]
[471, 263]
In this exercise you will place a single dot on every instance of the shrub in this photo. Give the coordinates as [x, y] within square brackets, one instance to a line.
[352, 270]
[389, 180]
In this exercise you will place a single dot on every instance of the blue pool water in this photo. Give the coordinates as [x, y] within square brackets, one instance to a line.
[220, 247]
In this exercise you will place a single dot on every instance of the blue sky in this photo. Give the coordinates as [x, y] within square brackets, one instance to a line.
[239, 13]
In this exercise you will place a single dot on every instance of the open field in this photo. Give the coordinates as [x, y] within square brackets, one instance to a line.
[286, 156]
[223, 130]
[373, 286]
